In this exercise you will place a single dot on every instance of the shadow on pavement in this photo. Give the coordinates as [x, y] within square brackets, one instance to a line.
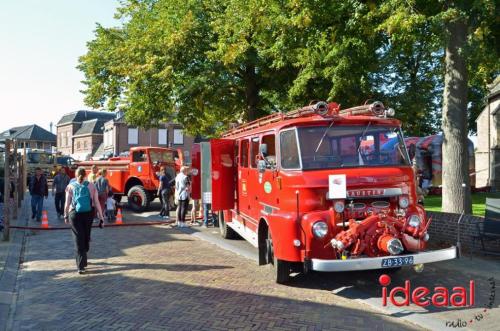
[102, 268]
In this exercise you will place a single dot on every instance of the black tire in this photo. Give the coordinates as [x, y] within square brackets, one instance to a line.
[225, 231]
[118, 198]
[279, 269]
[138, 199]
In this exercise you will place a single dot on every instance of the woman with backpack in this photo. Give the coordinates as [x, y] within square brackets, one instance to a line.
[81, 202]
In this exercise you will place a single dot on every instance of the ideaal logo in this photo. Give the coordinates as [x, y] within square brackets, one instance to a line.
[439, 297]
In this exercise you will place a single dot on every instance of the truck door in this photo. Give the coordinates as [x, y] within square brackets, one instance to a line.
[223, 174]
[243, 177]
[196, 172]
[140, 164]
[253, 185]
[268, 188]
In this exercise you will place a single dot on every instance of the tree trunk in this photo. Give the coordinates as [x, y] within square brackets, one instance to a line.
[251, 92]
[456, 182]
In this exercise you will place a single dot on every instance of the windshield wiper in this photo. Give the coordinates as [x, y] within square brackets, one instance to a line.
[323, 137]
[363, 136]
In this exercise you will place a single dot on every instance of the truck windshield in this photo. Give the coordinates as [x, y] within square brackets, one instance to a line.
[324, 147]
[40, 158]
[161, 156]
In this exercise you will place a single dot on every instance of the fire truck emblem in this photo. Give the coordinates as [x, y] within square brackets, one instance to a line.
[268, 187]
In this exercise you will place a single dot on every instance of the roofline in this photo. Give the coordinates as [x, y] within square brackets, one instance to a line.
[86, 134]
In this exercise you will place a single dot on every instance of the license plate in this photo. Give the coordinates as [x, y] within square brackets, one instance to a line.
[392, 262]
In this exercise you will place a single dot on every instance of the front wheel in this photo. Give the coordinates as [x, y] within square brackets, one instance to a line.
[138, 198]
[280, 270]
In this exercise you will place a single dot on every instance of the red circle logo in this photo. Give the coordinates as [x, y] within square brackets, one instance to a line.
[384, 280]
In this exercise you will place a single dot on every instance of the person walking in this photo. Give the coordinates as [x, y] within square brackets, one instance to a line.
[38, 190]
[81, 201]
[102, 186]
[164, 192]
[182, 189]
[61, 180]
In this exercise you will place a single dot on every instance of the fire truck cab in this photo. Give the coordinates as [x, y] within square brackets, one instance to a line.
[320, 188]
[136, 175]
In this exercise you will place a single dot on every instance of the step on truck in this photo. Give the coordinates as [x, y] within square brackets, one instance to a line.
[136, 175]
[318, 188]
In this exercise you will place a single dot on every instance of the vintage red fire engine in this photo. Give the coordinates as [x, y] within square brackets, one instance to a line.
[135, 175]
[320, 188]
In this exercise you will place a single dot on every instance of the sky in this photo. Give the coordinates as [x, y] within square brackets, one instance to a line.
[40, 42]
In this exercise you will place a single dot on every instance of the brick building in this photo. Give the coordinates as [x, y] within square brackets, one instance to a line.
[33, 136]
[487, 152]
[80, 133]
[119, 137]
[95, 134]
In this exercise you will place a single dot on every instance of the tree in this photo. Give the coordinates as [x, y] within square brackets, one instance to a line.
[206, 63]
[467, 37]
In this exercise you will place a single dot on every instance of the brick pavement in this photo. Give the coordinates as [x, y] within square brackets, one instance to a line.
[157, 278]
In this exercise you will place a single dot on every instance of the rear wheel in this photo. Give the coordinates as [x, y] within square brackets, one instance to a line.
[138, 198]
[225, 231]
[280, 270]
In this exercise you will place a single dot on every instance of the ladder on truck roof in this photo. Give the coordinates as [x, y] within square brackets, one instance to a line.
[321, 108]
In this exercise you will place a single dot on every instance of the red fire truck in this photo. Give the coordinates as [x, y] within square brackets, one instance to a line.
[312, 189]
[135, 175]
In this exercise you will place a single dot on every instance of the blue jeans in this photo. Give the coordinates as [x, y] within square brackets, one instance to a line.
[37, 206]
[206, 208]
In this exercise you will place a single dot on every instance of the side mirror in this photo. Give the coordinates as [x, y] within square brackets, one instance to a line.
[261, 165]
[412, 150]
[263, 149]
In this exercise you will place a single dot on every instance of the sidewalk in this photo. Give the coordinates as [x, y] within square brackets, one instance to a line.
[10, 255]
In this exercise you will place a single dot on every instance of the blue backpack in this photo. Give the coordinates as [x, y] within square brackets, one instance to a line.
[81, 197]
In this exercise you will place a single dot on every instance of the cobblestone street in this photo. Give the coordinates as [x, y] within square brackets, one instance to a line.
[157, 278]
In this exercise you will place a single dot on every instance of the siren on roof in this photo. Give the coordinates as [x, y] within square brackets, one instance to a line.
[377, 108]
[321, 108]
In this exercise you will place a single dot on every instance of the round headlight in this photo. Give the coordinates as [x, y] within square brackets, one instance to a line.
[404, 202]
[414, 221]
[339, 206]
[390, 112]
[320, 229]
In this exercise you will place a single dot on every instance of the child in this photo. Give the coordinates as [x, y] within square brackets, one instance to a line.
[110, 207]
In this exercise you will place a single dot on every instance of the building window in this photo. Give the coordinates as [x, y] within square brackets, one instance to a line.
[77, 145]
[162, 136]
[178, 137]
[133, 136]
[108, 137]
[85, 144]
[39, 145]
[65, 139]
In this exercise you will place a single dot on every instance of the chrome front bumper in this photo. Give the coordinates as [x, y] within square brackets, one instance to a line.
[369, 263]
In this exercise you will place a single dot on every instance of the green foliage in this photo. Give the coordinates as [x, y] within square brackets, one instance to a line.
[207, 63]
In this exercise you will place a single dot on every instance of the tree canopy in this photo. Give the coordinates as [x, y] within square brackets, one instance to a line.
[207, 63]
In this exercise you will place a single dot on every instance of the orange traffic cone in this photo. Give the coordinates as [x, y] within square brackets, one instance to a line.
[45, 220]
[119, 219]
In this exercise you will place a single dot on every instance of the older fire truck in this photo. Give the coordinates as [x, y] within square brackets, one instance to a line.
[135, 175]
[312, 189]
